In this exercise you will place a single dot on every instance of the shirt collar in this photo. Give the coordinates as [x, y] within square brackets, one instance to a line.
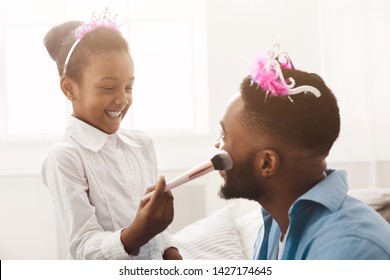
[90, 137]
[330, 192]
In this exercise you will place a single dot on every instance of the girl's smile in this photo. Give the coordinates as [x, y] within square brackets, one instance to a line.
[114, 114]
[105, 94]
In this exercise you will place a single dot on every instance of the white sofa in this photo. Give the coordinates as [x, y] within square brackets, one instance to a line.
[230, 232]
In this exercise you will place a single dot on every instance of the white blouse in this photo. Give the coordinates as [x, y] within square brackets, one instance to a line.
[97, 181]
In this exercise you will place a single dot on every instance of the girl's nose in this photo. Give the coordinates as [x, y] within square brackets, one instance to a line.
[123, 98]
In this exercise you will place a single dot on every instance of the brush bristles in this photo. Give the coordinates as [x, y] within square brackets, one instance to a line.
[222, 161]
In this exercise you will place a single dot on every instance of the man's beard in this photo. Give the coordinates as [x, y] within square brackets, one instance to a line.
[241, 182]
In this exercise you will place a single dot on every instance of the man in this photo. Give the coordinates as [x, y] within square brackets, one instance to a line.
[279, 130]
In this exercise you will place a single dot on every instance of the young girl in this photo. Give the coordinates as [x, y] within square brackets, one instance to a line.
[97, 173]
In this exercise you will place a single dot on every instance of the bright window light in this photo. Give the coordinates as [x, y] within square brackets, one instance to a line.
[164, 45]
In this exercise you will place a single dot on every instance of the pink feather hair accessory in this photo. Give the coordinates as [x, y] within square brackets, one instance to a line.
[268, 75]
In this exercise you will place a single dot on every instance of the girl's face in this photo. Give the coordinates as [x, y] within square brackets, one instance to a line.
[105, 92]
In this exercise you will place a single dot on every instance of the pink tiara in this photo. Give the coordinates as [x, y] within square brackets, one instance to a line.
[268, 75]
[104, 19]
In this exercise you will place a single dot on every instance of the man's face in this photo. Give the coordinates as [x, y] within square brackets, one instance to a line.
[241, 181]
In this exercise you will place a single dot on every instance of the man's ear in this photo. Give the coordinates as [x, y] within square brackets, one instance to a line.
[68, 87]
[267, 162]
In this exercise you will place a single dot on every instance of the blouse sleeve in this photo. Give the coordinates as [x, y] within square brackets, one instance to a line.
[63, 174]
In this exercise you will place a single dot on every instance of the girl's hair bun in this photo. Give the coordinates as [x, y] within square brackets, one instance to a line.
[58, 36]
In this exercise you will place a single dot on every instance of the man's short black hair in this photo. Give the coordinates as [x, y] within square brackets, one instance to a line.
[308, 122]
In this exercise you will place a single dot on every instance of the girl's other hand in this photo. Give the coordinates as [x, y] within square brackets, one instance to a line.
[172, 254]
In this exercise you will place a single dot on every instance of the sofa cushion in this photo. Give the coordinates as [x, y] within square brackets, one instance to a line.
[214, 237]
[377, 198]
[248, 227]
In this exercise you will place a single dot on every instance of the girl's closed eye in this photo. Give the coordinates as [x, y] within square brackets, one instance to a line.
[108, 88]
[129, 88]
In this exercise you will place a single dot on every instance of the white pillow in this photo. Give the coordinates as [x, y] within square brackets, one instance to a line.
[212, 238]
[248, 227]
[376, 198]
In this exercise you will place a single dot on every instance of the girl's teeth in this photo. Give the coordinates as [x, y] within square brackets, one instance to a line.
[114, 114]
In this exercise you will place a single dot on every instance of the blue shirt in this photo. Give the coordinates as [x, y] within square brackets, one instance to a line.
[327, 224]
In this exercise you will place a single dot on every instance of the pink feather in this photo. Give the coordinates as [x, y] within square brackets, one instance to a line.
[268, 79]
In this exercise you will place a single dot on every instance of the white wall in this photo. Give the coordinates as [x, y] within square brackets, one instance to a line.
[238, 30]
[28, 226]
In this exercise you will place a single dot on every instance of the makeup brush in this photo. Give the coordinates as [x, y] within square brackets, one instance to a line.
[220, 161]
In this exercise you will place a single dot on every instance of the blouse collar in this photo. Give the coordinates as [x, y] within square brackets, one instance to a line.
[92, 138]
